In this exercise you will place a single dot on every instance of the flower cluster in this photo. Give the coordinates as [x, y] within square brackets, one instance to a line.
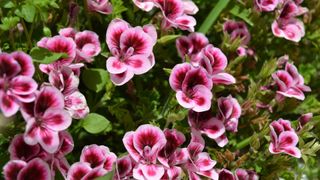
[193, 81]
[157, 155]
[131, 49]
[176, 13]
[283, 138]
[289, 83]
[27, 161]
[286, 25]
[95, 161]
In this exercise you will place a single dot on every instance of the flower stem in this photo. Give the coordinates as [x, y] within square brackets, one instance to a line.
[243, 143]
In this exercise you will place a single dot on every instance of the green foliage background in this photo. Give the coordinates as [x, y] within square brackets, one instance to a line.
[149, 98]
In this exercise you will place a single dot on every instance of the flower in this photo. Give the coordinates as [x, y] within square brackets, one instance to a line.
[98, 156]
[283, 138]
[229, 112]
[88, 45]
[82, 170]
[144, 145]
[266, 5]
[214, 62]
[291, 29]
[101, 6]
[19, 150]
[131, 48]
[199, 163]
[192, 86]
[16, 83]
[34, 169]
[304, 119]
[67, 82]
[291, 9]
[125, 166]
[171, 156]
[45, 118]
[237, 30]
[145, 5]
[240, 174]
[290, 83]
[58, 44]
[191, 46]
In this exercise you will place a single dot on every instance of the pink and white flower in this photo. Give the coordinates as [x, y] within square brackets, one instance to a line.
[266, 5]
[125, 167]
[98, 156]
[304, 119]
[45, 118]
[283, 138]
[101, 6]
[214, 62]
[291, 29]
[225, 174]
[143, 146]
[192, 86]
[191, 46]
[145, 5]
[16, 83]
[131, 48]
[19, 150]
[291, 9]
[88, 45]
[290, 83]
[229, 112]
[67, 82]
[243, 174]
[58, 44]
[34, 169]
[237, 29]
[171, 156]
[82, 170]
[199, 163]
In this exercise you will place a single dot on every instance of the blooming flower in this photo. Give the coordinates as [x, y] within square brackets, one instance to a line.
[144, 145]
[34, 169]
[191, 46]
[82, 170]
[58, 44]
[192, 86]
[19, 150]
[16, 83]
[45, 117]
[171, 156]
[199, 162]
[131, 49]
[266, 5]
[67, 82]
[291, 29]
[88, 45]
[237, 29]
[145, 5]
[283, 138]
[101, 6]
[290, 83]
[304, 119]
[214, 62]
[240, 174]
[125, 166]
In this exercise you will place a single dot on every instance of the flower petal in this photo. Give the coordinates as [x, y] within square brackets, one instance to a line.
[25, 62]
[204, 162]
[115, 66]
[213, 128]
[178, 75]
[152, 171]
[49, 97]
[223, 78]
[293, 151]
[288, 138]
[183, 100]
[8, 66]
[48, 139]
[18, 149]
[139, 64]
[114, 32]
[94, 155]
[56, 119]
[78, 170]
[122, 78]
[12, 169]
[23, 85]
[202, 98]
[35, 169]
[8, 105]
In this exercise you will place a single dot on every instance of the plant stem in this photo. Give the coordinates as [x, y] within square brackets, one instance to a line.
[243, 143]
[213, 15]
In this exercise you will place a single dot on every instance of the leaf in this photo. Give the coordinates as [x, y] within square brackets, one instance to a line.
[27, 12]
[213, 15]
[244, 14]
[267, 69]
[9, 23]
[118, 8]
[310, 104]
[44, 56]
[95, 123]
[95, 79]
[168, 38]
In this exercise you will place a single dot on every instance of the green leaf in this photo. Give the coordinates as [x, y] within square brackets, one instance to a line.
[118, 8]
[27, 12]
[95, 123]
[44, 56]
[213, 15]
[9, 23]
[267, 69]
[95, 79]
[168, 38]
[244, 14]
